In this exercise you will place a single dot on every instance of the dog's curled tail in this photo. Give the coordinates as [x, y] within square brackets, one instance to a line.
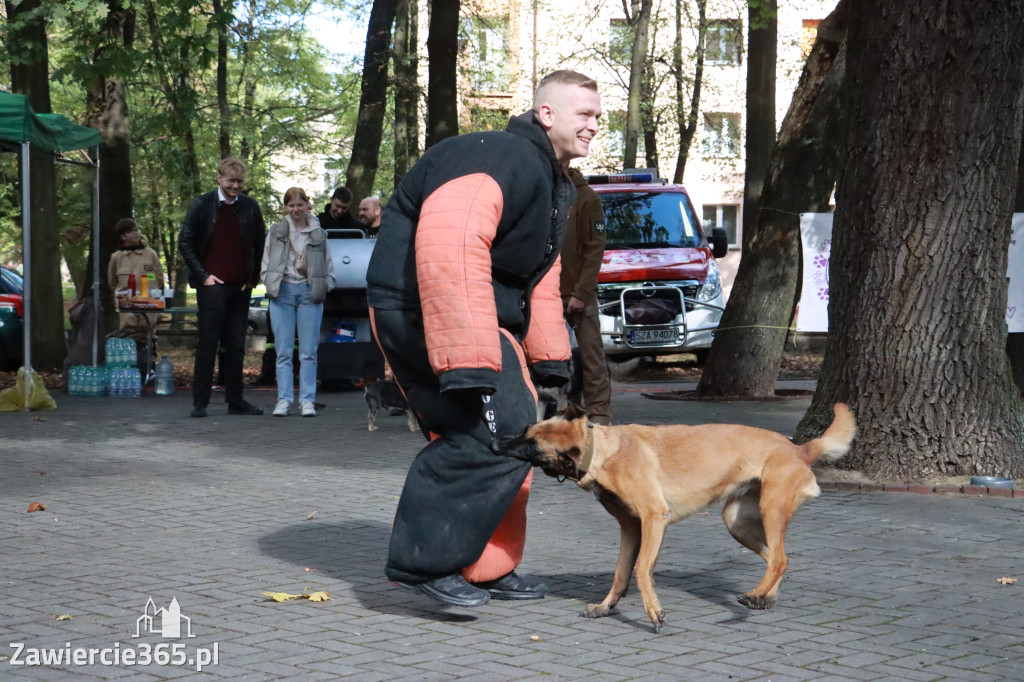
[835, 442]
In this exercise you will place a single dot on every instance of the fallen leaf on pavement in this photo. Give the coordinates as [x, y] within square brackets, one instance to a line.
[36, 506]
[312, 596]
[66, 616]
[1006, 581]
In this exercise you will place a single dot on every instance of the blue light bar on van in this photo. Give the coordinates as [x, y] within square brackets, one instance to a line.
[620, 178]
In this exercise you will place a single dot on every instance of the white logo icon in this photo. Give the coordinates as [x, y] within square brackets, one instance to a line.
[163, 622]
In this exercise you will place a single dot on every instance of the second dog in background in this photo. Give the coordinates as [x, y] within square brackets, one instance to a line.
[385, 393]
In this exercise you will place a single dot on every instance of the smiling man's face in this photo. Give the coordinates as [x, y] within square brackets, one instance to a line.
[571, 116]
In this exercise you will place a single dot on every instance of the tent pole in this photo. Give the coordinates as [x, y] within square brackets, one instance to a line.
[95, 255]
[26, 264]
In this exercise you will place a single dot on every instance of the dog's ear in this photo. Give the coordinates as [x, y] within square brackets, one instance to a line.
[573, 412]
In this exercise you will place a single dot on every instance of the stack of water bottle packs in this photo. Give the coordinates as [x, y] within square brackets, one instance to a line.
[120, 377]
[123, 377]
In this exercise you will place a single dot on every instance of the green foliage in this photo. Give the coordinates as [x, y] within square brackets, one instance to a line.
[286, 97]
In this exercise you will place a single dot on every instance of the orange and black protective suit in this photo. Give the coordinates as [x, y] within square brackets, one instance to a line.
[463, 290]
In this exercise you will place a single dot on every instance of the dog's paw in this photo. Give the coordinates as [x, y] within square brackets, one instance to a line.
[596, 611]
[372, 427]
[755, 601]
[657, 618]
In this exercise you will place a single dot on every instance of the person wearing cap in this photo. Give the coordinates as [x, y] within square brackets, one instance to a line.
[133, 258]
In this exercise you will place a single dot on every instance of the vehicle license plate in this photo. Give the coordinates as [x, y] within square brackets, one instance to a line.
[653, 337]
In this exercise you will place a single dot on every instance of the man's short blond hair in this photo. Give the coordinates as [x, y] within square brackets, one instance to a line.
[558, 78]
[229, 165]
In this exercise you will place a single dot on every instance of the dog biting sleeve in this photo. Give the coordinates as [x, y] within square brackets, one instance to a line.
[547, 338]
[457, 225]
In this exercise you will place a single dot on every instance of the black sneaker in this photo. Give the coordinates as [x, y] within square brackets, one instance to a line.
[451, 589]
[244, 408]
[512, 586]
[198, 411]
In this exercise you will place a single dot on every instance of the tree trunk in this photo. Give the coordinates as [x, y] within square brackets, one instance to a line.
[30, 74]
[175, 73]
[222, 18]
[747, 350]
[442, 85]
[362, 167]
[762, 51]
[918, 295]
[641, 24]
[686, 112]
[107, 111]
[648, 118]
[406, 91]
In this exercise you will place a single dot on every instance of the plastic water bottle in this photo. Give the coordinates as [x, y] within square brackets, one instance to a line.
[164, 377]
[134, 379]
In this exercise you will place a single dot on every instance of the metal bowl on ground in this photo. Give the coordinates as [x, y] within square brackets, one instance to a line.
[992, 481]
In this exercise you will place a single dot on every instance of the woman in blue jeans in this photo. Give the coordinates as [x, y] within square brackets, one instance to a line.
[298, 272]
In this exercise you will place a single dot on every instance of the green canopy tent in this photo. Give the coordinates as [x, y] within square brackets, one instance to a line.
[20, 126]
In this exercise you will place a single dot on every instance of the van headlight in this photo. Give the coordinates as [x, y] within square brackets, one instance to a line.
[712, 288]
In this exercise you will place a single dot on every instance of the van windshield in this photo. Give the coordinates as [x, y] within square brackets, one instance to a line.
[636, 220]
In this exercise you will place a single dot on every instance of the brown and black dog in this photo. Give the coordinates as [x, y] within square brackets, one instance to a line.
[649, 477]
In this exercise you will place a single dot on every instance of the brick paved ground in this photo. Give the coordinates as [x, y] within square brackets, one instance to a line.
[144, 502]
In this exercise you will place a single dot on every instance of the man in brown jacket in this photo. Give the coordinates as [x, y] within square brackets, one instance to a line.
[582, 253]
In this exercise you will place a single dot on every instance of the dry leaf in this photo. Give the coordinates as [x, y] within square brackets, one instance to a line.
[38, 419]
[1006, 581]
[66, 616]
[534, 638]
[313, 596]
[311, 515]
[281, 596]
[36, 506]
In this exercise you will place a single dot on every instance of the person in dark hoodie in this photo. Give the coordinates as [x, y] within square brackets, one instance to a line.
[335, 215]
[463, 287]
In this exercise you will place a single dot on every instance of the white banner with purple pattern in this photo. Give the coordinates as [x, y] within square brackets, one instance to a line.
[816, 233]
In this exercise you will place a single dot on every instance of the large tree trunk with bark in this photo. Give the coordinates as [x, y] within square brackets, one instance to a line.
[442, 82]
[30, 76]
[107, 111]
[747, 350]
[917, 330]
[362, 167]
[762, 51]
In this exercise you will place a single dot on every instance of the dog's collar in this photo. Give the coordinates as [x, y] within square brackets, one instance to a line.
[588, 452]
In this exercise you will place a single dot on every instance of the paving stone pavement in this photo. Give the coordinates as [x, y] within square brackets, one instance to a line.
[143, 502]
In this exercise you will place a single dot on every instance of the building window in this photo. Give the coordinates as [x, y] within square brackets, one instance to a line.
[722, 215]
[724, 42]
[808, 34]
[620, 42]
[614, 133]
[722, 135]
[490, 57]
[482, 119]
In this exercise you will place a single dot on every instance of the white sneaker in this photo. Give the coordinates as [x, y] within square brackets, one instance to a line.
[281, 409]
[308, 409]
